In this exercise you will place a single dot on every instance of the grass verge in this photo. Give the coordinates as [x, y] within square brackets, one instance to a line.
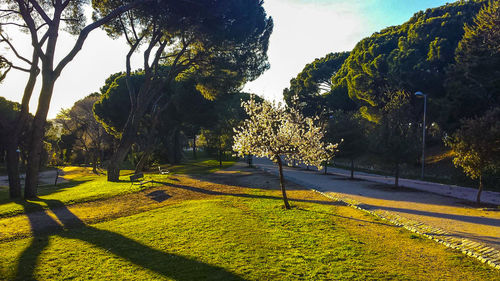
[237, 233]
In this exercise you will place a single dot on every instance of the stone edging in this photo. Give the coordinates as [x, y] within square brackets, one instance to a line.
[473, 249]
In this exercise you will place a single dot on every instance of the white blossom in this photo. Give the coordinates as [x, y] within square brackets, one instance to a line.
[272, 131]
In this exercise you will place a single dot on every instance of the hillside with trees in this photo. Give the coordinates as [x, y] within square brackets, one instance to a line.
[450, 53]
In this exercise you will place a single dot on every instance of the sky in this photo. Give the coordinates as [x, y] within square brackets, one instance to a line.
[303, 30]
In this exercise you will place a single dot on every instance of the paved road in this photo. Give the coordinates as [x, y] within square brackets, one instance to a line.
[45, 177]
[453, 215]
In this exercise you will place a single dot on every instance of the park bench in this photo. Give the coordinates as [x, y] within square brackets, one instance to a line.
[139, 179]
[163, 172]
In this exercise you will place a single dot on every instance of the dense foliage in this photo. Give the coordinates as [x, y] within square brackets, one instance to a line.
[81, 132]
[476, 146]
[311, 90]
[473, 84]
[187, 117]
[222, 43]
[413, 56]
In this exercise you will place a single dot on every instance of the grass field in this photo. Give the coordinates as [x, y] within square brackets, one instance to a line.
[212, 230]
[83, 185]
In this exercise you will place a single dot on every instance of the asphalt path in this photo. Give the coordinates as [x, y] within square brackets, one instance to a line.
[45, 177]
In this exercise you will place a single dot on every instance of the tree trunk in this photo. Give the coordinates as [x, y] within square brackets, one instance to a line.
[37, 133]
[142, 162]
[352, 168]
[177, 146]
[13, 169]
[144, 158]
[478, 198]
[57, 177]
[94, 162]
[19, 127]
[326, 165]
[117, 158]
[128, 138]
[220, 158]
[194, 146]
[282, 183]
[396, 178]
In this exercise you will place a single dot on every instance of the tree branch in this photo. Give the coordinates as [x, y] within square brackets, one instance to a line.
[6, 40]
[26, 15]
[85, 32]
[14, 24]
[40, 11]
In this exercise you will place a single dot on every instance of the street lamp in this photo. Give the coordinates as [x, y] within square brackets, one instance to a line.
[420, 94]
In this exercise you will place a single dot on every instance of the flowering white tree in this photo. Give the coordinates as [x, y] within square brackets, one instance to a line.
[280, 133]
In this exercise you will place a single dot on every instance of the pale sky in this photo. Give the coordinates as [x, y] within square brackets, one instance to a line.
[303, 30]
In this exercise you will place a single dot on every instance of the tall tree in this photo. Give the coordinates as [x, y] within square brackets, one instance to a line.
[474, 80]
[276, 132]
[91, 136]
[476, 146]
[9, 112]
[44, 20]
[5, 64]
[314, 82]
[348, 129]
[17, 127]
[395, 136]
[216, 39]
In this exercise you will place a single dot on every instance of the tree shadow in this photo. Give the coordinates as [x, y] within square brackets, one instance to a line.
[43, 190]
[244, 177]
[169, 265]
[245, 195]
[354, 219]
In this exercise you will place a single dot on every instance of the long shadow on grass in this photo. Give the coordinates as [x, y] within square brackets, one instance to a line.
[169, 265]
[354, 219]
[43, 190]
[245, 195]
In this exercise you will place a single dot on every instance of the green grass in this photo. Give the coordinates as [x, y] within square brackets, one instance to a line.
[234, 238]
[89, 187]
[200, 166]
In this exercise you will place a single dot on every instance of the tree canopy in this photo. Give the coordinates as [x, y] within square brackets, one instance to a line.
[473, 84]
[85, 132]
[412, 56]
[313, 86]
[223, 43]
[476, 146]
[43, 21]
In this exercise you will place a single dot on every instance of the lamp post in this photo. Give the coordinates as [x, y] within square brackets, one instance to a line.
[420, 94]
